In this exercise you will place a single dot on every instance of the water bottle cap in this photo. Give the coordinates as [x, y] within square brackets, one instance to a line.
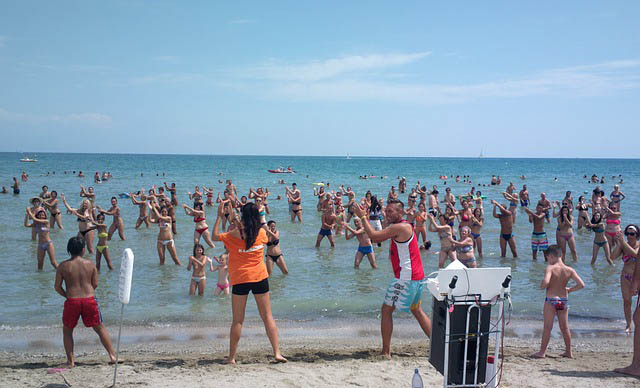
[490, 359]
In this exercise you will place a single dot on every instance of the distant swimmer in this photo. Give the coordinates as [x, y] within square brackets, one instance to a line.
[80, 279]
[15, 186]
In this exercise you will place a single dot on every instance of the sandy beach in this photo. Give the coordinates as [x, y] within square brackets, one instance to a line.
[319, 356]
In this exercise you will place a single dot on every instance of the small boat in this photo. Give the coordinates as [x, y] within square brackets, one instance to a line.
[281, 171]
[29, 160]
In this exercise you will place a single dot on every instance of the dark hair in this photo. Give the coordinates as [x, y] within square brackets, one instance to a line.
[101, 214]
[196, 246]
[554, 250]
[251, 223]
[593, 218]
[271, 222]
[197, 205]
[54, 192]
[112, 198]
[632, 226]
[375, 206]
[44, 187]
[562, 218]
[75, 246]
[395, 202]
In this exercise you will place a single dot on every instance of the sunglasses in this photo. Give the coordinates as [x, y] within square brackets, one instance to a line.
[630, 233]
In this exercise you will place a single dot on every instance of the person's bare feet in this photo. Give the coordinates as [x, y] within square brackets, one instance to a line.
[71, 364]
[280, 359]
[630, 370]
[387, 356]
[567, 354]
[231, 361]
[628, 329]
[538, 355]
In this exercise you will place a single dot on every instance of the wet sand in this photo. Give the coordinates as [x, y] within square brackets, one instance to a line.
[320, 355]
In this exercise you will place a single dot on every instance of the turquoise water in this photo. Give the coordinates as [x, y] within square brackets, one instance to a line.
[322, 282]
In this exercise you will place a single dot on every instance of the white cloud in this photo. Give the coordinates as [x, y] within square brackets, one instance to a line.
[91, 119]
[241, 21]
[331, 68]
[166, 78]
[590, 80]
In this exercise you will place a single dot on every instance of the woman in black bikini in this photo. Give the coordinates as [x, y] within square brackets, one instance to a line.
[274, 254]
[583, 211]
[85, 221]
[52, 205]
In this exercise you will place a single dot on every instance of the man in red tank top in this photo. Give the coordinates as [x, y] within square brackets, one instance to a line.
[405, 291]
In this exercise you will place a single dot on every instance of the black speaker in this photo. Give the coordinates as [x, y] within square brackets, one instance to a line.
[458, 334]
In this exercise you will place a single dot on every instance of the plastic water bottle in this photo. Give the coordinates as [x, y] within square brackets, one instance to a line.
[416, 381]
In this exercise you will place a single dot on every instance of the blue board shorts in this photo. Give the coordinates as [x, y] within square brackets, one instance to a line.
[405, 295]
[366, 250]
[539, 241]
[325, 232]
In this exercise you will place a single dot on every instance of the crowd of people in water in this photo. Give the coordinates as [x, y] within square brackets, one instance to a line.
[406, 216]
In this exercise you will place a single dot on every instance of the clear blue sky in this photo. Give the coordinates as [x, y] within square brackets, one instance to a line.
[531, 79]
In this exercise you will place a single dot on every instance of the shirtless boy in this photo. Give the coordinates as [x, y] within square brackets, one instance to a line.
[81, 279]
[556, 277]
[539, 240]
[364, 243]
[328, 222]
[506, 229]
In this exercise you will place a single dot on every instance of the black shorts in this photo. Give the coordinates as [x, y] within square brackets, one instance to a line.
[261, 287]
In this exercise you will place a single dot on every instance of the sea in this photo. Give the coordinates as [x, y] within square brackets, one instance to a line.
[322, 283]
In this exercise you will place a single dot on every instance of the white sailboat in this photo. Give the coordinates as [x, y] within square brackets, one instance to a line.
[481, 155]
[348, 157]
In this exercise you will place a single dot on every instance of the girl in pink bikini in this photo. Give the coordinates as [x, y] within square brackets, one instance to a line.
[612, 216]
[629, 250]
[564, 232]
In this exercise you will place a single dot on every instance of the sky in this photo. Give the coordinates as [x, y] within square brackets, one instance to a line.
[370, 78]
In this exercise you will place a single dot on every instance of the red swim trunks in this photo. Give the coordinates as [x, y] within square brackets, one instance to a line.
[85, 307]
